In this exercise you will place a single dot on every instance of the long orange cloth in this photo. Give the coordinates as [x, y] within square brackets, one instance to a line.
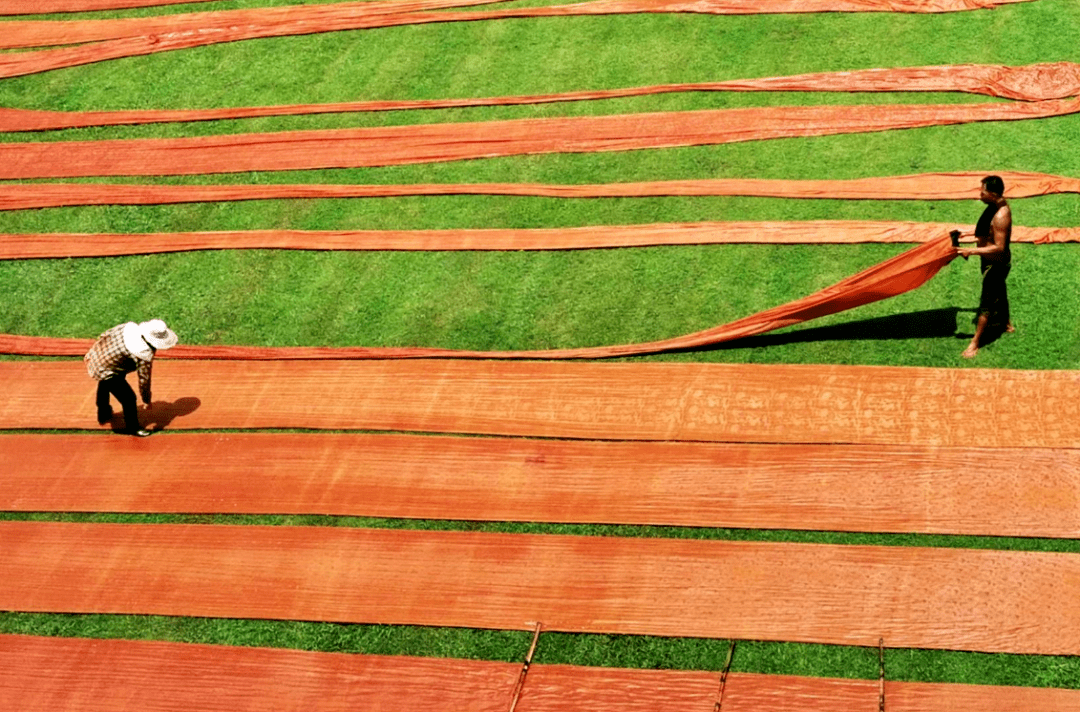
[981, 600]
[1031, 83]
[36, 7]
[12, 65]
[83, 675]
[229, 25]
[615, 401]
[1028, 492]
[924, 186]
[224, 25]
[284, 20]
[425, 143]
[902, 273]
[813, 232]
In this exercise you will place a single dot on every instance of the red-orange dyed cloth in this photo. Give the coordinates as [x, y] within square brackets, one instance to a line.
[906, 271]
[706, 402]
[45, 674]
[307, 19]
[214, 25]
[1036, 82]
[266, 24]
[821, 232]
[925, 186]
[829, 487]
[426, 143]
[36, 7]
[943, 598]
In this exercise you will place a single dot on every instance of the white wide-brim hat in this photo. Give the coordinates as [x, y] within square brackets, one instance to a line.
[157, 334]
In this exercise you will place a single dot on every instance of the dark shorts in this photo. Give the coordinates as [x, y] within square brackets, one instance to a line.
[994, 300]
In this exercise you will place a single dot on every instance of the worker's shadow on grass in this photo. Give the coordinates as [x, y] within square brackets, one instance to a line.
[159, 414]
[929, 324]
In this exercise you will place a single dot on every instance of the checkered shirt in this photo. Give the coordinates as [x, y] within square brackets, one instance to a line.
[109, 357]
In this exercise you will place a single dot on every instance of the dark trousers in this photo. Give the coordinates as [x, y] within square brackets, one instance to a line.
[118, 386]
[994, 299]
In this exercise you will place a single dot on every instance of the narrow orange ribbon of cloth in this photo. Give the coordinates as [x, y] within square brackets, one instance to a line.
[38, 7]
[429, 143]
[899, 274]
[138, 38]
[1034, 82]
[923, 186]
[229, 25]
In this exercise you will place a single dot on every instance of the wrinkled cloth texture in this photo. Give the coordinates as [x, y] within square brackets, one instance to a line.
[902, 273]
[285, 20]
[1037, 82]
[811, 232]
[307, 19]
[158, 676]
[35, 7]
[824, 487]
[277, 22]
[700, 402]
[426, 143]
[820, 593]
[924, 186]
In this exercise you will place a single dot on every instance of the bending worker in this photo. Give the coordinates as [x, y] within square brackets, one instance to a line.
[119, 351]
[993, 233]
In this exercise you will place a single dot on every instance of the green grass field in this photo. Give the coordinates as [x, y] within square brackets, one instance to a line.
[527, 300]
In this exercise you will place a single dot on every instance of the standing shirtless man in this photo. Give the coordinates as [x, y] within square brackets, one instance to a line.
[993, 233]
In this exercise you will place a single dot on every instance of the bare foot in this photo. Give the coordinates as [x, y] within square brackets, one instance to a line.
[970, 351]
[1010, 329]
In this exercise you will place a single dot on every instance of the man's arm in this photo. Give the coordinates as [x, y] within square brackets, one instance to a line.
[143, 369]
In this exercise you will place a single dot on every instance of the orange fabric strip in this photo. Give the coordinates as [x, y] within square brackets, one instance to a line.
[229, 25]
[818, 487]
[902, 273]
[1035, 82]
[925, 186]
[36, 7]
[981, 600]
[819, 232]
[425, 143]
[215, 25]
[397, 145]
[133, 46]
[83, 675]
[615, 401]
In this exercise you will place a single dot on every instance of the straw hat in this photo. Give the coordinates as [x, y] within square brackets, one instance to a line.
[157, 334]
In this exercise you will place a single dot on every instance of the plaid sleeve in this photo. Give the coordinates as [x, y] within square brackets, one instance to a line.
[143, 369]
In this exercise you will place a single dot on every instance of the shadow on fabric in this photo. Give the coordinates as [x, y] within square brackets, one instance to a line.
[161, 413]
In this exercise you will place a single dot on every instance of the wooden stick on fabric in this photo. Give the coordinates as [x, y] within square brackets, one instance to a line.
[525, 668]
[881, 675]
[723, 678]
